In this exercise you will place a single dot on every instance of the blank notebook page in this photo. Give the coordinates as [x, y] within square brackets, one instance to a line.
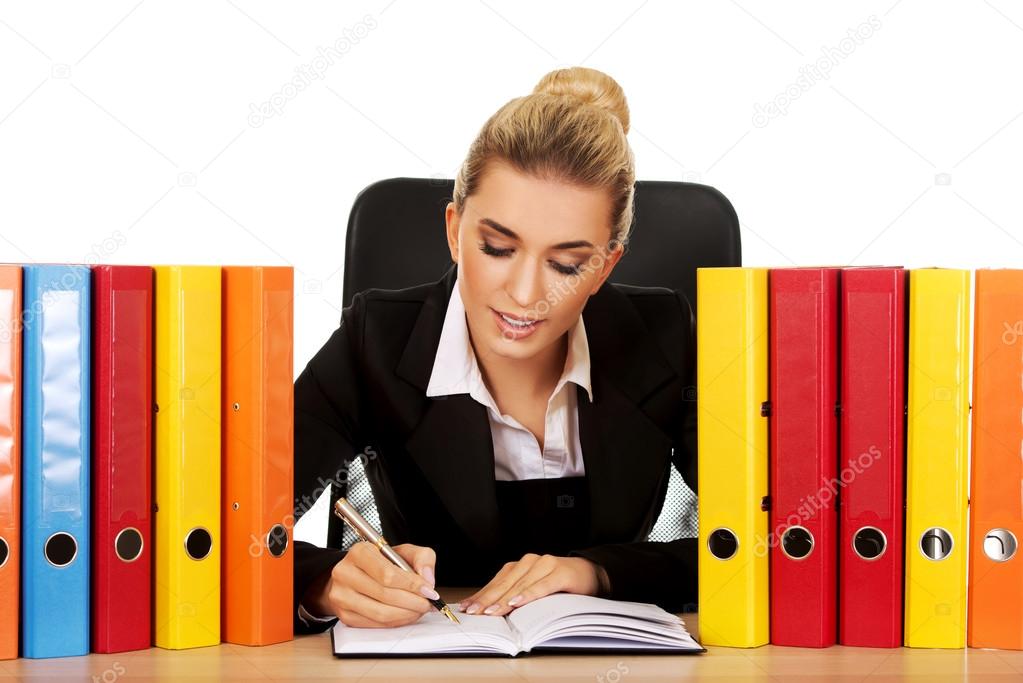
[432, 633]
[568, 620]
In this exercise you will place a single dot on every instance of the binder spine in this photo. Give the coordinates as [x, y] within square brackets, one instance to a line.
[995, 600]
[10, 458]
[872, 429]
[937, 458]
[732, 338]
[56, 515]
[187, 383]
[258, 443]
[804, 455]
[122, 471]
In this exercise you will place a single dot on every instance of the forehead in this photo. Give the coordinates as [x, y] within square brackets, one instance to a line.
[541, 210]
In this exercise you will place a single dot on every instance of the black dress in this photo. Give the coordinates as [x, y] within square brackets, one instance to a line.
[543, 515]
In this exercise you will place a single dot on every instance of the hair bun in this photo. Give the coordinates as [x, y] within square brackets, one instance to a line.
[588, 86]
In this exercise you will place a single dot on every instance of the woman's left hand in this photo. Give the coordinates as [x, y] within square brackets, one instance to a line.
[532, 577]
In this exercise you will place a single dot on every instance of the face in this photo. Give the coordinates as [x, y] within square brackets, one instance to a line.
[530, 250]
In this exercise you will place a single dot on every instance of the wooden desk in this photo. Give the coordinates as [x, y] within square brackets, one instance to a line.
[310, 657]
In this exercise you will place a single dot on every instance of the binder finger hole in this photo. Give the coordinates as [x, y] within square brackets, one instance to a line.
[128, 544]
[723, 543]
[999, 545]
[198, 543]
[277, 540]
[797, 542]
[869, 543]
[5, 551]
[936, 543]
[60, 549]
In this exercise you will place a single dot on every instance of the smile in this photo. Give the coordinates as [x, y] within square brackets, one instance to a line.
[515, 328]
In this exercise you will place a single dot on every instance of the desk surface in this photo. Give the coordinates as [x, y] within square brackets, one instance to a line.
[309, 657]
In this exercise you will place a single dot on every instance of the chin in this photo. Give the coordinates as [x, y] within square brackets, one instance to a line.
[518, 350]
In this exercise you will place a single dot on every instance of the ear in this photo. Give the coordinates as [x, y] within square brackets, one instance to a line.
[453, 220]
[609, 257]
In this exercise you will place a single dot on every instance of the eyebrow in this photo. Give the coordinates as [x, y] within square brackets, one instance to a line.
[511, 233]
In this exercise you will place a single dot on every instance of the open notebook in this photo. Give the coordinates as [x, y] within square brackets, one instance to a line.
[562, 621]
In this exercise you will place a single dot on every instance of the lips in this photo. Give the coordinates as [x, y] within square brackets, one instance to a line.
[515, 327]
[520, 318]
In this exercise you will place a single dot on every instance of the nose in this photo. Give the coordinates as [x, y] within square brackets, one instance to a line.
[525, 284]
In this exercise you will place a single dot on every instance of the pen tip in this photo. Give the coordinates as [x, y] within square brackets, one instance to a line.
[450, 615]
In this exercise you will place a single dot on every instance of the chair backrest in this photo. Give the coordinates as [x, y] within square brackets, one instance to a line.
[396, 235]
[396, 239]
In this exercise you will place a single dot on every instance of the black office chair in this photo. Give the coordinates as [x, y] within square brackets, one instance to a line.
[396, 239]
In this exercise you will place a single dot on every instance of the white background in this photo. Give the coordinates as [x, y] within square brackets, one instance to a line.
[127, 134]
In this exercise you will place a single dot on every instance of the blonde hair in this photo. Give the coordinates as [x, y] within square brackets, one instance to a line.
[571, 128]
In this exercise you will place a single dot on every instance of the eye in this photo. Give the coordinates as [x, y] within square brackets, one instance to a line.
[491, 250]
[565, 270]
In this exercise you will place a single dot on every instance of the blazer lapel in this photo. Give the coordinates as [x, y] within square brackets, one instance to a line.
[450, 441]
[627, 455]
[452, 446]
[627, 459]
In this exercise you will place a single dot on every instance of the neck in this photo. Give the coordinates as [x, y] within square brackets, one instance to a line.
[535, 376]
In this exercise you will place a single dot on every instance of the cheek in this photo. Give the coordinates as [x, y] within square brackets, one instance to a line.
[565, 300]
[481, 275]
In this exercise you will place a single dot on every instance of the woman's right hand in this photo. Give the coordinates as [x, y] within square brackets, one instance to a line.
[366, 590]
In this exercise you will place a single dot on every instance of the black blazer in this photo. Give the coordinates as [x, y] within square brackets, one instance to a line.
[364, 395]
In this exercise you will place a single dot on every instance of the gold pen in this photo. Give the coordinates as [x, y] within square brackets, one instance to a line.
[365, 531]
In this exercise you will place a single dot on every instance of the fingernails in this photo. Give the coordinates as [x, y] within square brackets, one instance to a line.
[429, 593]
[473, 608]
[514, 601]
[428, 575]
[491, 609]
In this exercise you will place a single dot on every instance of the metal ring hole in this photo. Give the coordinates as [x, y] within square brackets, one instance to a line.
[723, 543]
[60, 549]
[1000, 545]
[128, 544]
[277, 540]
[198, 543]
[797, 542]
[936, 543]
[5, 551]
[869, 543]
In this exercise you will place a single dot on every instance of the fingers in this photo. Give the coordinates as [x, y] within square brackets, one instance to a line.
[367, 590]
[368, 558]
[552, 574]
[513, 593]
[472, 604]
[509, 574]
[357, 609]
[532, 577]
[366, 585]
[529, 589]
[422, 559]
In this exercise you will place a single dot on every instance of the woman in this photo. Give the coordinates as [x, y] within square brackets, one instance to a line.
[519, 417]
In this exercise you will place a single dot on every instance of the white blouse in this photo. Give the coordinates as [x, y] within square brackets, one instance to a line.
[517, 453]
